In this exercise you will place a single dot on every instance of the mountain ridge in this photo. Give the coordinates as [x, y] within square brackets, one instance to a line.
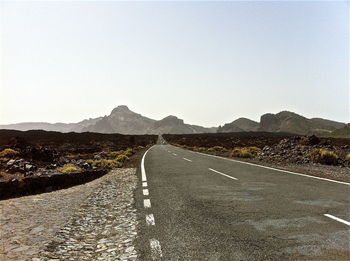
[124, 121]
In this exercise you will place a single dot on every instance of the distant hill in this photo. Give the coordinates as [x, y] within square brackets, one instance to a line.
[124, 121]
[239, 125]
[121, 120]
[284, 121]
[61, 127]
[342, 132]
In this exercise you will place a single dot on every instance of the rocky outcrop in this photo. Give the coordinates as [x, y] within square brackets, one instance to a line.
[38, 184]
[123, 120]
[284, 121]
[240, 125]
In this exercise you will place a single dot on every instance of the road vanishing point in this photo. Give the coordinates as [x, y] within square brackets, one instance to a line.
[202, 207]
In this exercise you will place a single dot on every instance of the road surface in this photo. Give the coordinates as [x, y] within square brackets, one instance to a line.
[199, 207]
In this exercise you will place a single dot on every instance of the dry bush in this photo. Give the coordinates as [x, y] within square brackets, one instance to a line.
[244, 152]
[115, 154]
[324, 156]
[8, 153]
[220, 148]
[129, 152]
[347, 157]
[122, 158]
[69, 168]
[104, 163]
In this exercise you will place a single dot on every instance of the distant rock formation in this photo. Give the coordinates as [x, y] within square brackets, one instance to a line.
[284, 121]
[124, 121]
[239, 125]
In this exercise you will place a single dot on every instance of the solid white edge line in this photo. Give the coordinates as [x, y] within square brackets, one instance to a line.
[150, 220]
[156, 249]
[187, 159]
[228, 176]
[143, 171]
[338, 219]
[147, 203]
[144, 184]
[145, 192]
[279, 170]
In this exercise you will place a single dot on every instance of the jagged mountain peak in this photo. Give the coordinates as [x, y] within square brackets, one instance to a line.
[171, 119]
[121, 109]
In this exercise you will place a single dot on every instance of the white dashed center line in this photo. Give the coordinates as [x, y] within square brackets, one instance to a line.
[145, 192]
[187, 159]
[147, 203]
[223, 174]
[174, 154]
[338, 219]
[150, 220]
[144, 184]
[155, 249]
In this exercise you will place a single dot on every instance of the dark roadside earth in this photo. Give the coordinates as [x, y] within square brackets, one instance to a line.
[282, 151]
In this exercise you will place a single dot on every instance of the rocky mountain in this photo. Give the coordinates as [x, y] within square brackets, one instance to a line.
[61, 127]
[341, 132]
[121, 120]
[239, 125]
[285, 121]
[124, 121]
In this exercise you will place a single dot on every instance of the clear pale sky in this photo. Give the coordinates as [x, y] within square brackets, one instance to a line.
[206, 62]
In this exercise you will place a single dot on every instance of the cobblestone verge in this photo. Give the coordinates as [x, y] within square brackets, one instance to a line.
[94, 221]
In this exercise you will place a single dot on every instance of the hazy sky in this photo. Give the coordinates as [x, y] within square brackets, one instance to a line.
[206, 62]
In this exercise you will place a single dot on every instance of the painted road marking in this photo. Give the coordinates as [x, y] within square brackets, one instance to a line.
[279, 170]
[223, 174]
[156, 249]
[143, 171]
[150, 220]
[146, 203]
[187, 159]
[338, 219]
[174, 154]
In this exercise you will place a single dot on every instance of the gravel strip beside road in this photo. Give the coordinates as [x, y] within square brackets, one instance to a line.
[53, 224]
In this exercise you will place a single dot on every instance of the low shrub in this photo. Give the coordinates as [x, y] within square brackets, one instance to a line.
[244, 152]
[122, 158]
[324, 156]
[104, 163]
[129, 152]
[219, 148]
[69, 168]
[8, 153]
[347, 157]
[115, 154]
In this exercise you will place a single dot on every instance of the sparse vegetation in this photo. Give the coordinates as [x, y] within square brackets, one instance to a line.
[122, 158]
[105, 163]
[348, 157]
[324, 156]
[115, 154]
[8, 153]
[129, 152]
[244, 152]
[69, 168]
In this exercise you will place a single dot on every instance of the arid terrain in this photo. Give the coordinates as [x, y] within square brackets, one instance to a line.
[324, 157]
[37, 161]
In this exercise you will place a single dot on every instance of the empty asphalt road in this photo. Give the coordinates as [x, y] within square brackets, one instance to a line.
[199, 207]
